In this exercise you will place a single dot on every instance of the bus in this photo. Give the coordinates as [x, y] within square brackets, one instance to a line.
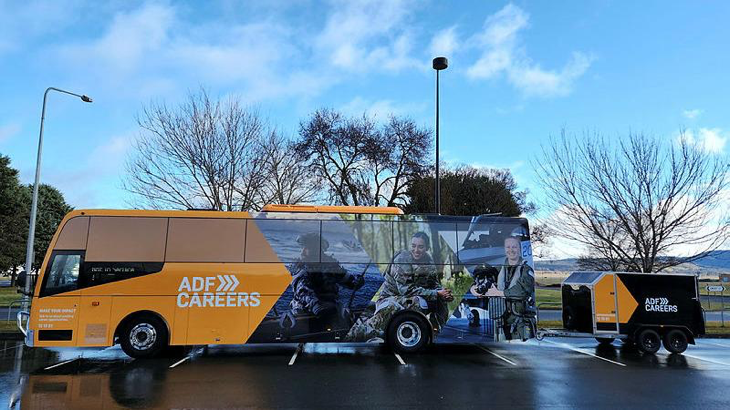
[151, 280]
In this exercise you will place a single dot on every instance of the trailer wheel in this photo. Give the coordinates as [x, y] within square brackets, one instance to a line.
[605, 341]
[648, 341]
[408, 333]
[675, 341]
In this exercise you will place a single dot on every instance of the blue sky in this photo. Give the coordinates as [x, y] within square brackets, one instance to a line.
[520, 71]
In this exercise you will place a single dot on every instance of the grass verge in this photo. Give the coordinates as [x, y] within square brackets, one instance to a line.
[8, 295]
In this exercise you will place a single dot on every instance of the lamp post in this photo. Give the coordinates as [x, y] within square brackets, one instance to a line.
[34, 203]
[439, 63]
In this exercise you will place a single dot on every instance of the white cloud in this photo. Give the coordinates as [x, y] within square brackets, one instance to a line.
[691, 114]
[444, 43]
[22, 22]
[352, 38]
[709, 139]
[502, 55]
[8, 131]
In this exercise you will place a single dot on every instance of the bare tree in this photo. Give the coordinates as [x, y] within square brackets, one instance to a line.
[636, 201]
[200, 154]
[289, 180]
[360, 162]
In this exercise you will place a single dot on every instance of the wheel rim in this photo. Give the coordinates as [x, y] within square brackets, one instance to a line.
[142, 336]
[409, 334]
[676, 342]
[650, 341]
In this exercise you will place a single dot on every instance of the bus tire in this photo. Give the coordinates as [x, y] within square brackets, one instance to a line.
[143, 336]
[675, 341]
[408, 332]
[648, 341]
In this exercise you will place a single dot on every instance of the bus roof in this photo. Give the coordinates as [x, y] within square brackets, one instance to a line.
[333, 209]
[214, 214]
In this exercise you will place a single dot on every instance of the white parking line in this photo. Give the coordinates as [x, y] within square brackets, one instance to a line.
[179, 362]
[59, 364]
[497, 355]
[400, 359]
[707, 360]
[575, 349]
[296, 353]
[8, 348]
[714, 343]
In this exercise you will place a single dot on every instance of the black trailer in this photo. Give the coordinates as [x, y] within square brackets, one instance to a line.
[648, 309]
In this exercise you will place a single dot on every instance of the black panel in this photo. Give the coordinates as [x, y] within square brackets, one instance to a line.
[57, 335]
[577, 309]
[606, 326]
[98, 273]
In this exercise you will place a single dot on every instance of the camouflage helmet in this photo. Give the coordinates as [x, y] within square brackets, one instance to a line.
[312, 240]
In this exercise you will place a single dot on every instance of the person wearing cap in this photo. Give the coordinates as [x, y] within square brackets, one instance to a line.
[316, 282]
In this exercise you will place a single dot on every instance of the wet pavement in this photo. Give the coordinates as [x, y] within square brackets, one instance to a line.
[558, 372]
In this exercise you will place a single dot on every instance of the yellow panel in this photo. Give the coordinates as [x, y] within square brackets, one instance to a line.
[55, 313]
[94, 314]
[604, 296]
[125, 305]
[179, 334]
[626, 302]
[218, 325]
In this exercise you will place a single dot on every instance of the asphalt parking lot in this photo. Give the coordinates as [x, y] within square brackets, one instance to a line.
[558, 372]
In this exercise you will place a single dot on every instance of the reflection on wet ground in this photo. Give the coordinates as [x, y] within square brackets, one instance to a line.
[557, 373]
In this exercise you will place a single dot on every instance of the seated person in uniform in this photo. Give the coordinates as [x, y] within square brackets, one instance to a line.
[316, 283]
[411, 282]
[515, 282]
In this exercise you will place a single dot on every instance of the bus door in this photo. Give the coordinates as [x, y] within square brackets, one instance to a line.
[94, 312]
[56, 309]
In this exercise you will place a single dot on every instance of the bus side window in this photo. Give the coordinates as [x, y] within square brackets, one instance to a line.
[63, 274]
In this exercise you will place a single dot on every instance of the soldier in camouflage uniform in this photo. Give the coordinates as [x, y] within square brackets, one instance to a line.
[411, 282]
[316, 284]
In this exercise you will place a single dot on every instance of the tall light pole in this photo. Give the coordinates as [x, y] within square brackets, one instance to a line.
[34, 203]
[439, 63]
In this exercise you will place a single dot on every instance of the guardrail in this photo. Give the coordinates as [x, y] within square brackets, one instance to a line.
[18, 302]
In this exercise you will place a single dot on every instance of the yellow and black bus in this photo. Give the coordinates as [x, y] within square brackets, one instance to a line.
[152, 279]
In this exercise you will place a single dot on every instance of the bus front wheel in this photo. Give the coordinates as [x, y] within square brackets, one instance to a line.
[144, 336]
[408, 333]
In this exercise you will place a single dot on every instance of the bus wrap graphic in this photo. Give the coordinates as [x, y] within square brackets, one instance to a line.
[199, 291]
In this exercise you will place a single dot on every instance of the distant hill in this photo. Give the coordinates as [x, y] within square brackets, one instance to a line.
[715, 262]
[715, 259]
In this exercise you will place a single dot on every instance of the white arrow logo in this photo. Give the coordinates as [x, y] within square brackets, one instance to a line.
[228, 283]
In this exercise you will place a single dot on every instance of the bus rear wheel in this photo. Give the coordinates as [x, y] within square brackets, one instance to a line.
[408, 333]
[675, 341]
[144, 336]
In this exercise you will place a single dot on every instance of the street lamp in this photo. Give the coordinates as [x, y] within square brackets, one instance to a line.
[439, 63]
[34, 203]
